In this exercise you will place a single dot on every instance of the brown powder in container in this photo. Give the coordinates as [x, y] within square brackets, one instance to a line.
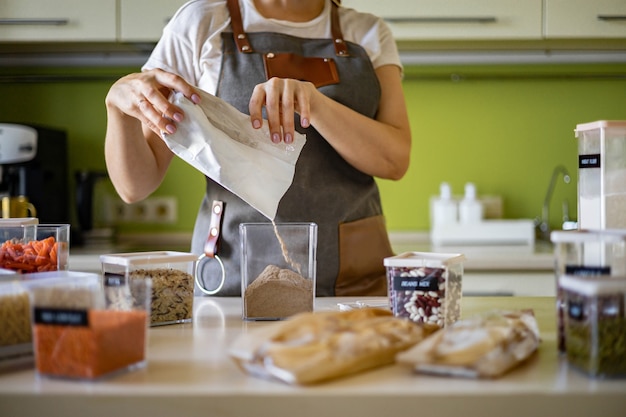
[278, 293]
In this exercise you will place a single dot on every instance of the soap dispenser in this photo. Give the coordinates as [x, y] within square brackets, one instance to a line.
[470, 209]
[445, 210]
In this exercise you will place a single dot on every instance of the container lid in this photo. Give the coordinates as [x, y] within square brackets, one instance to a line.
[429, 259]
[593, 286]
[600, 124]
[19, 221]
[144, 258]
[588, 235]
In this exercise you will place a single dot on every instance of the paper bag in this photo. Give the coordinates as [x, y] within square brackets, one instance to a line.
[219, 141]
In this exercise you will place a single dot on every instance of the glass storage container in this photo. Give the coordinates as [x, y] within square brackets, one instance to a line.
[601, 174]
[84, 330]
[585, 253]
[172, 275]
[595, 324]
[425, 287]
[278, 269]
[30, 248]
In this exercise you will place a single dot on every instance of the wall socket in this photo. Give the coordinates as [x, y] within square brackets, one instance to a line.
[150, 210]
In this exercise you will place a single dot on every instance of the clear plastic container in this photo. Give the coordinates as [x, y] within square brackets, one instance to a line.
[425, 287]
[595, 324]
[172, 275]
[31, 248]
[278, 269]
[602, 174]
[585, 253]
[84, 330]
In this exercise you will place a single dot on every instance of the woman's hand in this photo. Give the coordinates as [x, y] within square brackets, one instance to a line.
[144, 96]
[282, 98]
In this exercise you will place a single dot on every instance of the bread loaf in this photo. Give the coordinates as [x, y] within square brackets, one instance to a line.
[482, 346]
[314, 347]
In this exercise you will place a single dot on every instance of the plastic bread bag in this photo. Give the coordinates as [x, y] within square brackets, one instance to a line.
[314, 347]
[219, 141]
[484, 346]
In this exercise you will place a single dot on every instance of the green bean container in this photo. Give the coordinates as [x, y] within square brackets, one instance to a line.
[595, 325]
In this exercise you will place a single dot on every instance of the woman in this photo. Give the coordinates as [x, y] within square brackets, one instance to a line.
[350, 107]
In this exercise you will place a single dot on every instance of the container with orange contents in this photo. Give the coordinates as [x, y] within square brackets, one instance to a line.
[81, 331]
[31, 248]
[16, 347]
[172, 275]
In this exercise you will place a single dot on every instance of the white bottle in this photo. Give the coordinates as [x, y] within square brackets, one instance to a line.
[445, 209]
[470, 209]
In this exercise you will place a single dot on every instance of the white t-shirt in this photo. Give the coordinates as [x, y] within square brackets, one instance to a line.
[191, 45]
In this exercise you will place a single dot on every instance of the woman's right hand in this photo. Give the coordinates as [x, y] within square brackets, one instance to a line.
[144, 96]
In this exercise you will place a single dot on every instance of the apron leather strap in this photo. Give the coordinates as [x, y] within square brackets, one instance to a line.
[341, 49]
[212, 243]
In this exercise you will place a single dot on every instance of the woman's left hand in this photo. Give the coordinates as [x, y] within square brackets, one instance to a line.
[282, 98]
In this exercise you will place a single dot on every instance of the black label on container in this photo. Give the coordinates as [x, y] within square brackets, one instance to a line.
[587, 271]
[589, 161]
[114, 280]
[427, 283]
[60, 316]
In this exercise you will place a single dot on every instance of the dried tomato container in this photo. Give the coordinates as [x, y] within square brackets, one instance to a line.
[84, 330]
[425, 287]
[172, 275]
[595, 324]
[31, 248]
[589, 254]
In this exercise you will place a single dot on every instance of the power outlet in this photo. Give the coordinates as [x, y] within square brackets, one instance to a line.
[150, 210]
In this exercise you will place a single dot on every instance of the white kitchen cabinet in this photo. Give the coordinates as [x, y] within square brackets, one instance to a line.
[58, 20]
[457, 19]
[585, 19]
[144, 20]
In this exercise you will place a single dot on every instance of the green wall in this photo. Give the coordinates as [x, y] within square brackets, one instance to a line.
[502, 127]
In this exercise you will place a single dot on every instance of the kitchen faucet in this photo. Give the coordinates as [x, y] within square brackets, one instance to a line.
[543, 225]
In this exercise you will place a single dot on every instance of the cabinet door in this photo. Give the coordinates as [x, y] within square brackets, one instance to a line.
[57, 20]
[457, 19]
[144, 20]
[585, 19]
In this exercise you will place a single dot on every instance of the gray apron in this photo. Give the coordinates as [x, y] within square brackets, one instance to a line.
[326, 189]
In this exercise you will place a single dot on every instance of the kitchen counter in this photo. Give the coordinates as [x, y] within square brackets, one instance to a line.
[190, 374]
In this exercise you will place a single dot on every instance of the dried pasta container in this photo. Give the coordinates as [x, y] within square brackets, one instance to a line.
[585, 253]
[425, 287]
[31, 248]
[79, 332]
[172, 275]
[15, 332]
[595, 325]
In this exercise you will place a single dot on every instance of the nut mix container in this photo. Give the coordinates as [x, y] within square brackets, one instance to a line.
[589, 254]
[278, 269]
[172, 275]
[601, 174]
[30, 248]
[425, 287]
[83, 330]
[595, 324]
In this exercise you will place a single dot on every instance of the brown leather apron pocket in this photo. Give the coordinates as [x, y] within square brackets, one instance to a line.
[319, 71]
[363, 245]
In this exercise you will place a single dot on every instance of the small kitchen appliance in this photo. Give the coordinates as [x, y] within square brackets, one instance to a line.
[33, 166]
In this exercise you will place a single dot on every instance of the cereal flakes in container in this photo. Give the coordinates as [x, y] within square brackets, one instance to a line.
[32, 248]
[425, 287]
[172, 275]
[79, 334]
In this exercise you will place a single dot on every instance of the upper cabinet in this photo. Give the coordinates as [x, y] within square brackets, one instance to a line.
[585, 19]
[144, 20]
[58, 20]
[458, 19]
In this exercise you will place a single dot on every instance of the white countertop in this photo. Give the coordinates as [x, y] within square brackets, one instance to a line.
[190, 374]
